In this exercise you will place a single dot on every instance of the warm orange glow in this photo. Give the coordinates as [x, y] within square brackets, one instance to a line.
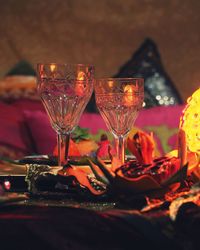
[79, 87]
[129, 89]
[129, 94]
[110, 84]
[52, 67]
[81, 76]
[190, 122]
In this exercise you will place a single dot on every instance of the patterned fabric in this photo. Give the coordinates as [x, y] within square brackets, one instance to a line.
[16, 87]
[146, 62]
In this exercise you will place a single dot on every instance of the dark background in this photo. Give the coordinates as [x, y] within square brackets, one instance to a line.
[103, 33]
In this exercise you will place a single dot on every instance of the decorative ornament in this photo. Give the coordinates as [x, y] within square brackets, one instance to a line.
[190, 122]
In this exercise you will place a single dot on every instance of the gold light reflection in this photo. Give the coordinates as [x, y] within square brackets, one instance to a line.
[190, 122]
[110, 84]
[129, 96]
[52, 67]
[81, 76]
[79, 86]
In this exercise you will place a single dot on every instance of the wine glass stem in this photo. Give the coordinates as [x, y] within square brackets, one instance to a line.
[63, 148]
[120, 149]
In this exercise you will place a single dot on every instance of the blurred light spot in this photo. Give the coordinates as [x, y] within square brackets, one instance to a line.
[158, 97]
[7, 185]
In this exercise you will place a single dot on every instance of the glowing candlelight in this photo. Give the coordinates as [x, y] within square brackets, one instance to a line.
[110, 84]
[79, 86]
[52, 67]
[81, 76]
[190, 122]
[129, 95]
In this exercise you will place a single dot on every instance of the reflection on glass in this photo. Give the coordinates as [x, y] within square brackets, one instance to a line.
[65, 90]
[119, 100]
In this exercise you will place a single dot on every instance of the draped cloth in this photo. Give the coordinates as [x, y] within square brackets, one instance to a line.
[35, 227]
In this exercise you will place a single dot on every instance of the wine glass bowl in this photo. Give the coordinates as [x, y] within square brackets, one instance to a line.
[118, 101]
[65, 90]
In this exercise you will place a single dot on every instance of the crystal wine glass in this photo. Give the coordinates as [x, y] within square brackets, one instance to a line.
[119, 100]
[65, 90]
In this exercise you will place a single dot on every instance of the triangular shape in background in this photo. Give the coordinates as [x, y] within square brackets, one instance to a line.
[146, 62]
[22, 68]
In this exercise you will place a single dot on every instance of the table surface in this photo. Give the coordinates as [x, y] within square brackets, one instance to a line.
[69, 224]
[61, 222]
[39, 227]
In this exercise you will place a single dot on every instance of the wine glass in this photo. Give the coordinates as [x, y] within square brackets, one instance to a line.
[119, 100]
[65, 90]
